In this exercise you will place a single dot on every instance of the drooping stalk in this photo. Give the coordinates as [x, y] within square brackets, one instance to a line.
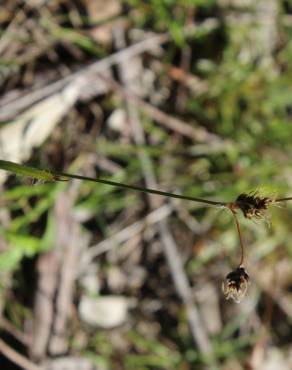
[239, 234]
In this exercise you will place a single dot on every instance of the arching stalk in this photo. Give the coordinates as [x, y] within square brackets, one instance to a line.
[239, 234]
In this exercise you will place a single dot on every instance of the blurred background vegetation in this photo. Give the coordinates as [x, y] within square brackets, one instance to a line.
[202, 108]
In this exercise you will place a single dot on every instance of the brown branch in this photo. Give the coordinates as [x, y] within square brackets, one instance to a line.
[239, 234]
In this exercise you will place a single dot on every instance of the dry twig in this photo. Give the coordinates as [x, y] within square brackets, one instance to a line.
[193, 131]
[16, 357]
[125, 234]
[12, 330]
[13, 106]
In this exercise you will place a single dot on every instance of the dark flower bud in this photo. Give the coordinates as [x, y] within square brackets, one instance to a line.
[236, 284]
[253, 205]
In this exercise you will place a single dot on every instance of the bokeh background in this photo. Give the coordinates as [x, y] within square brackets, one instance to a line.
[187, 96]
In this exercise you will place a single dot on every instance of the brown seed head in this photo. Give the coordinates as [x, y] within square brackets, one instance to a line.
[236, 284]
[253, 205]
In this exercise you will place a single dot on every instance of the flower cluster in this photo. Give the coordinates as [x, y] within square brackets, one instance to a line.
[236, 284]
[253, 205]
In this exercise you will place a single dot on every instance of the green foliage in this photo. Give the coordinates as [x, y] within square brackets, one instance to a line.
[166, 15]
[152, 354]
[19, 247]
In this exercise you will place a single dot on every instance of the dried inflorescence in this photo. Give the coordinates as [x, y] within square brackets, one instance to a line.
[236, 284]
[253, 205]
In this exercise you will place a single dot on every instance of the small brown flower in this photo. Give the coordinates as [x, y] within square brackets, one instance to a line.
[236, 284]
[253, 205]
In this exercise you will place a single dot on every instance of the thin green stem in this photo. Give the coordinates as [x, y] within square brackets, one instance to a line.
[283, 199]
[141, 189]
[44, 175]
